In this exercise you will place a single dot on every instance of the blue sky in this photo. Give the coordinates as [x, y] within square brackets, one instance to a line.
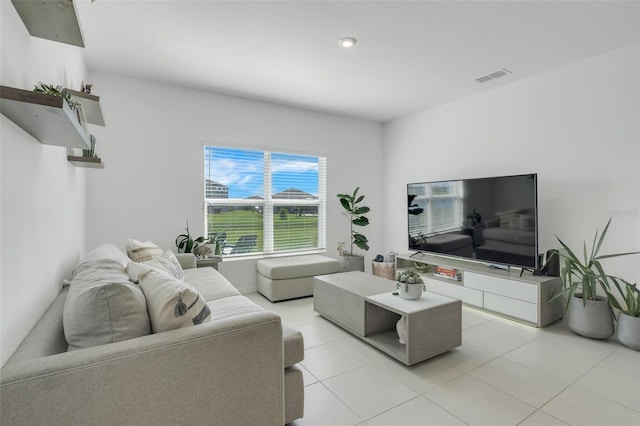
[242, 171]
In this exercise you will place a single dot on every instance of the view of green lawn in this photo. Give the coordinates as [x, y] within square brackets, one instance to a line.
[290, 230]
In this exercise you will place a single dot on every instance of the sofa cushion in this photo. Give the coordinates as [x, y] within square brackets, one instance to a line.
[293, 345]
[103, 251]
[280, 268]
[210, 283]
[103, 306]
[172, 303]
[142, 252]
[167, 263]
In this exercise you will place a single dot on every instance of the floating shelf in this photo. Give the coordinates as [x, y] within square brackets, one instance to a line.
[55, 20]
[90, 106]
[49, 119]
[90, 162]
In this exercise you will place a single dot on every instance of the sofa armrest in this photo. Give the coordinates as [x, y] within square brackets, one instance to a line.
[187, 260]
[229, 371]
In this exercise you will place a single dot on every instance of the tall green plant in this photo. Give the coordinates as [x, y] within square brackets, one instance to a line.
[355, 213]
[586, 274]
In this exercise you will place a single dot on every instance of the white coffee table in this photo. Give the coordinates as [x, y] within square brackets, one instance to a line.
[364, 305]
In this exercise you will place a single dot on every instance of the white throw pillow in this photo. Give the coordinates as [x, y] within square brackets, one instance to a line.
[171, 303]
[168, 263]
[142, 252]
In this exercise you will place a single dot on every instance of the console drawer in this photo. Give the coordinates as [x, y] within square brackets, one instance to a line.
[512, 307]
[496, 285]
[457, 291]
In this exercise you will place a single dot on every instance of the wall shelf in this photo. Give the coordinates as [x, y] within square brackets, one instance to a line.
[55, 20]
[90, 105]
[49, 119]
[89, 162]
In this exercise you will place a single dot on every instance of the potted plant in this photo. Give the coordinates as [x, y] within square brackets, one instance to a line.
[185, 242]
[590, 314]
[628, 332]
[409, 284]
[355, 214]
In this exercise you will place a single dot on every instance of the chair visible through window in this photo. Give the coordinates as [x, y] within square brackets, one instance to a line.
[245, 244]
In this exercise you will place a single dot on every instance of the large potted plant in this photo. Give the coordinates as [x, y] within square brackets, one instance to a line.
[354, 212]
[628, 332]
[590, 314]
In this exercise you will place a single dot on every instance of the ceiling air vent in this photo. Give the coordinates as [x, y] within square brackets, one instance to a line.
[493, 75]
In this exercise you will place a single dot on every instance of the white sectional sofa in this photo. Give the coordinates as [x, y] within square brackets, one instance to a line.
[235, 368]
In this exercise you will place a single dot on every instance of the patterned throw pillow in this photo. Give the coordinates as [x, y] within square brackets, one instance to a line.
[142, 252]
[171, 303]
[167, 263]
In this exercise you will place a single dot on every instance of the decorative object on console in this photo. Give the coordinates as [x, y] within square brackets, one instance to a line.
[410, 285]
[448, 273]
[423, 267]
[590, 315]
[355, 214]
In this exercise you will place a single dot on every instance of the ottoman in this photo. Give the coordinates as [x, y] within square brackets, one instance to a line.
[290, 277]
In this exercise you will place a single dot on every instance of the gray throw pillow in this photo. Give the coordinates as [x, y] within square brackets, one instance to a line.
[103, 306]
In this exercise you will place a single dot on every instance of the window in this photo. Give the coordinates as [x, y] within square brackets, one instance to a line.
[442, 203]
[264, 201]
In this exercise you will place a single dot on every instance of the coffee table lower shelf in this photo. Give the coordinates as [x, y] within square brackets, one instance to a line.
[388, 343]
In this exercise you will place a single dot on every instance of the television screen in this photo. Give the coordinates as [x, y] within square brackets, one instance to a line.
[493, 219]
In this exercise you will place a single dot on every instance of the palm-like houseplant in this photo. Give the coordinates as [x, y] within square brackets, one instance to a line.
[590, 314]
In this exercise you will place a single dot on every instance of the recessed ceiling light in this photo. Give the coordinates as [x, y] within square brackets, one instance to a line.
[347, 42]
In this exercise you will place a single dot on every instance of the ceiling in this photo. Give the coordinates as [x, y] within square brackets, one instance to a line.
[410, 55]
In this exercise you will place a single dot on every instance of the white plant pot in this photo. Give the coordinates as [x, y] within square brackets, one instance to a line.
[409, 291]
[594, 320]
[629, 331]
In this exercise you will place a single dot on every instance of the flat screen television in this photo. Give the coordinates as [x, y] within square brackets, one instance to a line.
[492, 220]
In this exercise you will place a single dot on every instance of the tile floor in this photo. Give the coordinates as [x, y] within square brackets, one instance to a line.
[505, 373]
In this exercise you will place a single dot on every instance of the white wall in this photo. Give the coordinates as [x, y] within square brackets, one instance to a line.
[578, 127]
[154, 165]
[42, 202]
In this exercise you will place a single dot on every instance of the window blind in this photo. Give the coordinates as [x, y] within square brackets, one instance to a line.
[275, 199]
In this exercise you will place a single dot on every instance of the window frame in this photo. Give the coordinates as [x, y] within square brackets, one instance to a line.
[268, 204]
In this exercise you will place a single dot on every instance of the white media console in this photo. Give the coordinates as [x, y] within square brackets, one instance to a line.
[501, 291]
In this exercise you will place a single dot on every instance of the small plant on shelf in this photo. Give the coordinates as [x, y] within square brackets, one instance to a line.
[50, 89]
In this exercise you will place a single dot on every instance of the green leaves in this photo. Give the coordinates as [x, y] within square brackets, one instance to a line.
[354, 212]
[50, 89]
[586, 274]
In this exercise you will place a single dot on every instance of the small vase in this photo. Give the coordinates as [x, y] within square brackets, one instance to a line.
[409, 291]
[401, 328]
